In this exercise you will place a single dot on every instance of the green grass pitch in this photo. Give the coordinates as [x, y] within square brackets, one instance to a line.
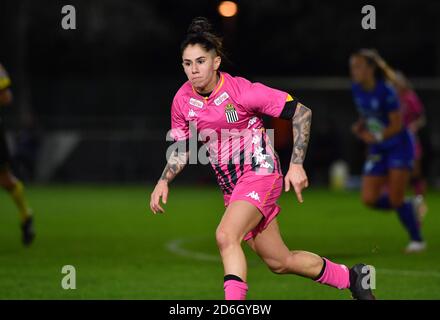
[120, 250]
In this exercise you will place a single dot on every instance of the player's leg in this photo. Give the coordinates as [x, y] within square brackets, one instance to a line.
[418, 182]
[400, 162]
[372, 192]
[374, 180]
[271, 249]
[270, 246]
[239, 218]
[406, 209]
[16, 189]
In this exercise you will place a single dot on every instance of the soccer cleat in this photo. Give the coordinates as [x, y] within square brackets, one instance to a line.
[415, 247]
[357, 274]
[420, 208]
[28, 232]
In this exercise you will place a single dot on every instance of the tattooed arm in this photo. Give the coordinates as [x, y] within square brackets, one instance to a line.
[296, 176]
[176, 162]
[301, 123]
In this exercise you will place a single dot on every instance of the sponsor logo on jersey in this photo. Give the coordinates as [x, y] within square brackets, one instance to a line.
[196, 103]
[192, 113]
[231, 113]
[254, 195]
[221, 99]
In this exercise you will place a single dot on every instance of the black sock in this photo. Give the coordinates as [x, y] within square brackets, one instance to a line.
[232, 277]
[322, 270]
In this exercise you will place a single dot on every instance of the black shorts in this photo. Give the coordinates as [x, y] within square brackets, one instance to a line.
[5, 157]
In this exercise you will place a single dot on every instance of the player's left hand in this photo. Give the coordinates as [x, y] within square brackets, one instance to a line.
[159, 192]
[297, 177]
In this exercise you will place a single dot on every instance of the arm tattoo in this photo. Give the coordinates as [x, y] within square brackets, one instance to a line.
[176, 163]
[301, 123]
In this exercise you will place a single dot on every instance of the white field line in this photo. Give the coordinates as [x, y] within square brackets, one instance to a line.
[176, 246]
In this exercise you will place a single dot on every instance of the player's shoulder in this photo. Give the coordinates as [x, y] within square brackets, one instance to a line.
[410, 93]
[386, 87]
[388, 93]
[244, 90]
[411, 96]
[237, 85]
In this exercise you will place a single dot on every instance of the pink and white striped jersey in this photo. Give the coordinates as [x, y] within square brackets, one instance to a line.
[229, 124]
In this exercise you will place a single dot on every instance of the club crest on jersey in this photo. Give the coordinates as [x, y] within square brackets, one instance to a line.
[221, 99]
[231, 113]
[196, 103]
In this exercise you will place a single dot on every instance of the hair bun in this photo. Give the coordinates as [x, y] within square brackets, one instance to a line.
[199, 25]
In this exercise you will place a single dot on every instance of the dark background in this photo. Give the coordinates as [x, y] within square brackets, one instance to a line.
[92, 104]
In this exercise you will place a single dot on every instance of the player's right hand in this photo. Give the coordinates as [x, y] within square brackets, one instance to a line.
[160, 191]
[297, 177]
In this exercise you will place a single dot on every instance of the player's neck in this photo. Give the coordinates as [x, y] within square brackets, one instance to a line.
[210, 87]
[369, 85]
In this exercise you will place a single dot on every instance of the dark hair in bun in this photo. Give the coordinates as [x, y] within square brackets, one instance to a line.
[200, 32]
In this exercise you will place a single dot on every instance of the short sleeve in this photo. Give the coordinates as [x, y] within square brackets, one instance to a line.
[262, 99]
[5, 81]
[391, 100]
[179, 125]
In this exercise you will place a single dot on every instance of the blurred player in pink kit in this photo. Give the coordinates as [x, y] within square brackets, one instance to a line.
[226, 113]
[414, 119]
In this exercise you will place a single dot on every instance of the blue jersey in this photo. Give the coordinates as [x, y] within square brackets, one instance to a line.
[374, 106]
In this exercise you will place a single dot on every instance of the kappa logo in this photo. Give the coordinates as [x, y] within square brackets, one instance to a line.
[221, 99]
[196, 103]
[192, 113]
[254, 195]
[231, 113]
[266, 165]
[252, 121]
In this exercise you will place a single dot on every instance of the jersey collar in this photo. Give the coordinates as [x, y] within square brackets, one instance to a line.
[217, 88]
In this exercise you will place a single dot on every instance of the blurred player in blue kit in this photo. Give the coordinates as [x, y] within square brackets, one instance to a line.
[391, 155]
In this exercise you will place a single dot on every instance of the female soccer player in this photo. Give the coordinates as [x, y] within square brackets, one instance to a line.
[7, 180]
[224, 106]
[391, 150]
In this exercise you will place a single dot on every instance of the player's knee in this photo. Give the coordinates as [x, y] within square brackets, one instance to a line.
[6, 180]
[369, 200]
[277, 267]
[225, 239]
[282, 265]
